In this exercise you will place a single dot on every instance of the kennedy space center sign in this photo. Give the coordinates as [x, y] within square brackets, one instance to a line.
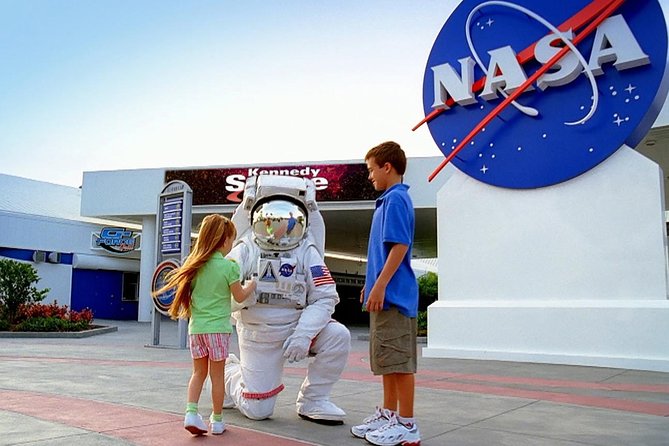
[526, 94]
[334, 182]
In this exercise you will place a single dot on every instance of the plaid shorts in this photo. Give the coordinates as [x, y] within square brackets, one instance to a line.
[212, 345]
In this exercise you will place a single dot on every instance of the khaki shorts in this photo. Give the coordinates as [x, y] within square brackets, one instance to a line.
[392, 342]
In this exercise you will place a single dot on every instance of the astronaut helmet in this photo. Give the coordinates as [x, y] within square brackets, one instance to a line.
[279, 215]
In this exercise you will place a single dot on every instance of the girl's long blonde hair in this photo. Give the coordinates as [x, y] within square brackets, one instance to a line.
[214, 231]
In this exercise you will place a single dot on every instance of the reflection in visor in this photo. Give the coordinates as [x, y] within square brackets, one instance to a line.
[278, 224]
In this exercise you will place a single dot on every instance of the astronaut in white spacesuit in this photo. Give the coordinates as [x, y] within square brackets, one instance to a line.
[281, 238]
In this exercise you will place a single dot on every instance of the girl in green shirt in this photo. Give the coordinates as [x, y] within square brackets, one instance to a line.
[204, 286]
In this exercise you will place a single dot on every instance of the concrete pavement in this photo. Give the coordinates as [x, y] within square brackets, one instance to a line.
[112, 389]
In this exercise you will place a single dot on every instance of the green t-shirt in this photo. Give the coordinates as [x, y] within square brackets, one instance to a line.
[210, 296]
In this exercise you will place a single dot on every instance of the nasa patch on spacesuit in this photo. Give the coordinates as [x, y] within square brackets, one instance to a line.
[279, 282]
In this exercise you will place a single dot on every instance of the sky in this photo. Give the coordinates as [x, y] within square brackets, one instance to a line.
[88, 85]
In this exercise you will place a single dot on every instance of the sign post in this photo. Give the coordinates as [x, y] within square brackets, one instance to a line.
[172, 246]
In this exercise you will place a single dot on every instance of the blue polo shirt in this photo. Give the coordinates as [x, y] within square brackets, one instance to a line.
[393, 222]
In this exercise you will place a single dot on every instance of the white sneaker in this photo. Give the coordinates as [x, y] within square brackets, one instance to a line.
[217, 427]
[394, 434]
[193, 423]
[372, 423]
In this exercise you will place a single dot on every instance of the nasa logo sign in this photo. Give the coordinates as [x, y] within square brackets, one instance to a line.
[527, 94]
[163, 301]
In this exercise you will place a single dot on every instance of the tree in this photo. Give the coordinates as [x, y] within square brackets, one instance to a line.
[16, 288]
[427, 290]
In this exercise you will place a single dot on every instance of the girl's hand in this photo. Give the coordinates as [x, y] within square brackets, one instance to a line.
[251, 284]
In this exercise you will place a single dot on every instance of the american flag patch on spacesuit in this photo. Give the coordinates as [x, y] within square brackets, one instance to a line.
[321, 275]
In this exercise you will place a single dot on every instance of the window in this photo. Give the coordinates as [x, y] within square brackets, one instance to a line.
[130, 287]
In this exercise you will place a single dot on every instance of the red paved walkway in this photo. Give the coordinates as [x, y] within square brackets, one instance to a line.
[509, 386]
[141, 427]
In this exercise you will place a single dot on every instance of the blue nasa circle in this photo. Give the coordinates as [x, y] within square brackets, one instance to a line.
[519, 151]
[286, 270]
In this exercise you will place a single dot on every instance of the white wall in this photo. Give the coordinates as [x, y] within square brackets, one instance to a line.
[574, 273]
[58, 278]
[598, 236]
[121, 192]
[424, 193]
[31, 232]
[148, 266]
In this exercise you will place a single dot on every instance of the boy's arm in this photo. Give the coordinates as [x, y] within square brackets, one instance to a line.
[378, 291]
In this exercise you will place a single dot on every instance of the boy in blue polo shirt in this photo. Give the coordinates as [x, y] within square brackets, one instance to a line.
[391, 297]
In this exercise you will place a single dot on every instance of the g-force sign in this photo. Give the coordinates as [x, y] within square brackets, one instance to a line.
[116, 240]
[527, 94]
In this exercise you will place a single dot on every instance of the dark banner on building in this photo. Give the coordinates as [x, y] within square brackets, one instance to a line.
[334, 182]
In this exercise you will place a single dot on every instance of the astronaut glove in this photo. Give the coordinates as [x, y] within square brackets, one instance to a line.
[296, 348]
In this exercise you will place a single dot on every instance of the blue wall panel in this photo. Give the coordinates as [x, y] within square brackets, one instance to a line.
[101, 291]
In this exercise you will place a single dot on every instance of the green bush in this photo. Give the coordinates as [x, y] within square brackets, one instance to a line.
[20, 309]
[51, 324]
[42, 324]
[16, 288]
[51, 317]
[428, 287]
[421, 320]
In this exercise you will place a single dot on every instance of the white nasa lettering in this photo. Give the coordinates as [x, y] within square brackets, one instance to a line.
[565, 70]
[511, 74]
[613, 42]
[234, 183]
[460, 87]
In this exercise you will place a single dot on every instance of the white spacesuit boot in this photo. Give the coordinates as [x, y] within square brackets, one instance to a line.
[330, 352]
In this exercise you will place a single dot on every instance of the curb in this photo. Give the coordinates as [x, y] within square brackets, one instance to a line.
[419, 339]
[59, 334]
